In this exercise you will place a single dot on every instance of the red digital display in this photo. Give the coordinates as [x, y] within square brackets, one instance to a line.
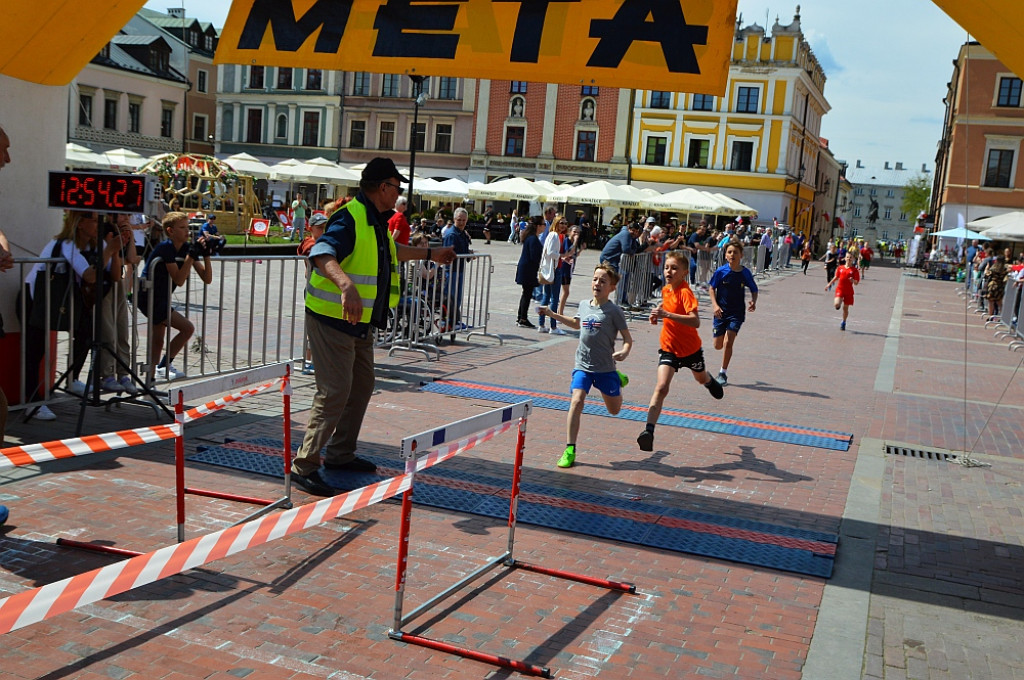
[102, 192]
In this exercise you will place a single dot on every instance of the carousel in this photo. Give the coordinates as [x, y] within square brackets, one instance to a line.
[195, 183]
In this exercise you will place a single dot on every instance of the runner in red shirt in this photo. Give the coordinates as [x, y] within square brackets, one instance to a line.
[845, 279]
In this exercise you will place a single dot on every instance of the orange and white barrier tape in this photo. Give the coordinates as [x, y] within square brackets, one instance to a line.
[449, 450]
[79, 446]
[217, 404]
[32, 606]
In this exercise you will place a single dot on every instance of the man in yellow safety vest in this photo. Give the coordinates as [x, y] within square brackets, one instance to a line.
[353, 283]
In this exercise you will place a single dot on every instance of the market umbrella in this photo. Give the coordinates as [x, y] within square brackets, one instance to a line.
[78, 156]
[690, 200]
[960, 232]
[642, 194]
[1006, 227]
[122, 159]
[599, 192]
[737, 208]
[244, 164]
[453, 188]
[511, 189]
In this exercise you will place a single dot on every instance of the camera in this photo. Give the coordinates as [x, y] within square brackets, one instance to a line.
[207, 246]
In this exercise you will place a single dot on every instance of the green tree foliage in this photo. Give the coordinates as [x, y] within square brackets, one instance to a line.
[916, 196]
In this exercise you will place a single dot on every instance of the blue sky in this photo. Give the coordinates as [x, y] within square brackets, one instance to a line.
[887, 63]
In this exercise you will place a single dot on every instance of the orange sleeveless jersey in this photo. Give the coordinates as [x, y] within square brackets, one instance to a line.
[677, 338]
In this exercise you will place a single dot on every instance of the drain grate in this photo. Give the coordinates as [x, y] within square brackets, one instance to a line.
[920, 454]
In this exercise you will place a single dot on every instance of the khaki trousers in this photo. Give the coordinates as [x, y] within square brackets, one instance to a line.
[344, 384]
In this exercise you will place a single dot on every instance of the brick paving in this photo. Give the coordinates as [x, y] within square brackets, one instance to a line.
[945, 598]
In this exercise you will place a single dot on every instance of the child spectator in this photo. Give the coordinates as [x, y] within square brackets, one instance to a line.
[680, 343]
[728, 298]
[316, 229]
[600, 322]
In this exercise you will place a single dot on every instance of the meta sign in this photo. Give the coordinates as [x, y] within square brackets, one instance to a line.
[673, 45]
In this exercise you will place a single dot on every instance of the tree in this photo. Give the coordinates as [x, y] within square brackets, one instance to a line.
[916, 196]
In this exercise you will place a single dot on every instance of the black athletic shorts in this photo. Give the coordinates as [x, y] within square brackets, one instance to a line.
[694, 362]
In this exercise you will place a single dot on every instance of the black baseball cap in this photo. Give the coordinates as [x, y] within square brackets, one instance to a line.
[380, 169]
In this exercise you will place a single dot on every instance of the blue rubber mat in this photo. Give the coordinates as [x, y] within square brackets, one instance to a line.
[668, 528]
[695, 420]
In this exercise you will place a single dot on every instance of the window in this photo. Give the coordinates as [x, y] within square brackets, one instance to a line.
[859, 191]
[655, 151]
[357, 134]
[198, 127]
[281, 126]
[314, 79]
[443, 138]
[110, 114]
[418, 136]
[387, 135]
[255, 77]
[697, 154]
[589, 91]
[284, 78]
[208, 43]
[856, 211]
[159, 61]
[888, 214]
[514, 137]
[586, 145]
[746, 101]
[134, 117]
[390, 85]
[254, 126]
[201, 81]
[1000, 164]
[873, 192]
[361, 84]
[890, 193]
[885, 235]
[311, 128]
[703, 102]
[903, 218]
[518, 87]
[1009, 92]
[447, 88]
[85, 110]
[166, 122]
[660, 100]
[742, 156]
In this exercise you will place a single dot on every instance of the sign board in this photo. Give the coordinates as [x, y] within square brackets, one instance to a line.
[673, 45]
[103, 192]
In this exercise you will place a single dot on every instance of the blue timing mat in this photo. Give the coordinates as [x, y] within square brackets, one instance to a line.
[669, 528]
[695, 420]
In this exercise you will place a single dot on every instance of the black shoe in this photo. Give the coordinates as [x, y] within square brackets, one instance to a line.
[715, 388]
[314, 484]
[646, 440]
[357, 464]
[525, 323]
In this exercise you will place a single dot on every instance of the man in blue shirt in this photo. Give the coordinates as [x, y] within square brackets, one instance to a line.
[458, 240]
[694, 243]
[213, 237]
[972, 251]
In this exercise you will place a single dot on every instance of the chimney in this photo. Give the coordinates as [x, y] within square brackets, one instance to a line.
[858, 164]
[899, 166]
[176, 12]
[887, 165]
[924, 167]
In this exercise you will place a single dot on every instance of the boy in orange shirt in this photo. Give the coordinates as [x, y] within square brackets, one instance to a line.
[680, 343]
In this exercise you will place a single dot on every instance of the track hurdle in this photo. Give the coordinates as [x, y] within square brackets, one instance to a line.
[251, 382]
[428, 448]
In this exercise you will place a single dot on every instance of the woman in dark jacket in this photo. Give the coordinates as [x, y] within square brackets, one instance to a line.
[526, 271]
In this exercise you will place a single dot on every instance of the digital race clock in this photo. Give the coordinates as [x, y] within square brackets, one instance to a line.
[103, 192]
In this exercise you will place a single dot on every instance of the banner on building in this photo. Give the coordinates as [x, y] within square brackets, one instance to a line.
[673, 45]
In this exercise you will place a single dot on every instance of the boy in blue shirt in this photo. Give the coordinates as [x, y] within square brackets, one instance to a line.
[727, 301]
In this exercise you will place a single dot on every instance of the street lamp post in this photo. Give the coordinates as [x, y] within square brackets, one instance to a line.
[419, 98]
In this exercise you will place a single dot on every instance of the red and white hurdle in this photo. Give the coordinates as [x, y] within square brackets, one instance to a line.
[423, 450]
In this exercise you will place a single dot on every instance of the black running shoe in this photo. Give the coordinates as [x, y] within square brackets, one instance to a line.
[715, 388]
[646, 440]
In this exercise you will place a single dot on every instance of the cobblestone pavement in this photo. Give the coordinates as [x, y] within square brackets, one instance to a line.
[927, 583]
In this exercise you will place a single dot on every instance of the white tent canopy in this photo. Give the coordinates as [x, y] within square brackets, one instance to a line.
[315, 171]
[691, 200]
[122, 159]
[960, 233]
[1006, 227]
[78, 156]
[599, 192]
[738, 208]
[511, 189]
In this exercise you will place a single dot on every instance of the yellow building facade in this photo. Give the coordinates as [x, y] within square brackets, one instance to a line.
[759, 143]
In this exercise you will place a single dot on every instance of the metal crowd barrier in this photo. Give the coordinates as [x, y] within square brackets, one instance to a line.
[1006, 323]
[439, 302]
[636, 282]
[760, 262]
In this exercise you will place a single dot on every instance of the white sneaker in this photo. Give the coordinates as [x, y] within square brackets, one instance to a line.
[77, 388]
[44, 413]
[168, 373]
[558, 331]
[723, 379]
[110, 384]
[128, 386]
[542, 329]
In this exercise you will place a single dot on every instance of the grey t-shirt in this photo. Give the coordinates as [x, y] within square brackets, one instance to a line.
[599, 326]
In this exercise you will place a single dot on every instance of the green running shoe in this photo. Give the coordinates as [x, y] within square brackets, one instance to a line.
[568, 457]
[623, 378]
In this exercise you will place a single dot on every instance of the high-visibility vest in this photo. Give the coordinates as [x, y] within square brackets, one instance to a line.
[323, 297]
